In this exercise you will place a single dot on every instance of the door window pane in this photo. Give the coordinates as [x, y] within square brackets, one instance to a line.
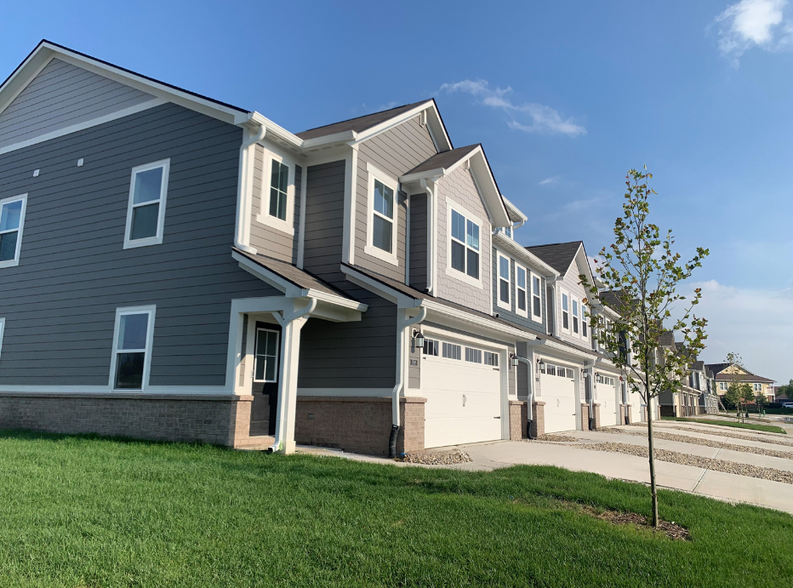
[266, 361]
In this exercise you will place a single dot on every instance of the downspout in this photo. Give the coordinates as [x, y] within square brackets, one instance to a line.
[431, 261]
[554, 332]
[400, 377]
[280, 441]
[526, 361]
[244, 191]
[589, 364]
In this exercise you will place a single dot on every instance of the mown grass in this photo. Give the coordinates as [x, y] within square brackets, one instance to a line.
[735, 424]
[83, 512]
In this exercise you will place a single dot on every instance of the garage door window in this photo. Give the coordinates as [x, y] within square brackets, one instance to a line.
[491, 358]
[431, 347]
[473, 355]
[452, 351]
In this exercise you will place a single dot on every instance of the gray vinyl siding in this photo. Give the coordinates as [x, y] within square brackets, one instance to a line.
[394, 152]
[571, 283]
[418, 241]
[523, 371]
[62, 95]
[511, 314]
[341, 355]
[60, 302]
[266, 239]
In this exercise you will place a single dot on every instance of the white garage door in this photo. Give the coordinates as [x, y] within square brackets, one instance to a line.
[463, 390]
[557, 391]
[607, 398]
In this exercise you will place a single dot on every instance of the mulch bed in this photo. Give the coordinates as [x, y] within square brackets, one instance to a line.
[670, 529]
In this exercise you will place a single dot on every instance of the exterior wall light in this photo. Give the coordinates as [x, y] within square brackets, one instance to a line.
[541, 366]
[418, 339]
[514, 360]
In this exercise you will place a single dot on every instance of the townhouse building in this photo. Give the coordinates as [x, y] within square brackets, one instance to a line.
[727, 373]
[174, 267]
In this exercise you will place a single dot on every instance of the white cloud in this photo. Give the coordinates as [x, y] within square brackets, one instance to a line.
[753, 322]
[753, 23]
[528, 116]
[551, 180]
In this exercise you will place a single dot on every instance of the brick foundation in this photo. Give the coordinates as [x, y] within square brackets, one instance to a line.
[584, 417]
[622, 414]
[629, 413]
[538, 423]
[219, 420]
[597, 416]
[518, 417]
[358, 424]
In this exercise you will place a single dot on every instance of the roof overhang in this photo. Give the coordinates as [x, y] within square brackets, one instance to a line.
[504, 243]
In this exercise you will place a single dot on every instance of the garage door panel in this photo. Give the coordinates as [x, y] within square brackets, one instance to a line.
[558, 394]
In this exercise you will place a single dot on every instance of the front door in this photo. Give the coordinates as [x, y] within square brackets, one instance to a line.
[267, 352]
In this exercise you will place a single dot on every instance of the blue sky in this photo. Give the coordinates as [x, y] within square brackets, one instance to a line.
[565, 97]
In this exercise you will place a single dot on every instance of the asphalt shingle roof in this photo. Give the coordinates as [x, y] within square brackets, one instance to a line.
[443, 160]
[558, 255]
[358, 124]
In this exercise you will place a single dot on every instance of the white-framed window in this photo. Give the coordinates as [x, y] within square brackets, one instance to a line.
[576, 318]
[132, 341]
[12, 221]
[383, 215]
[521, 290]
[431, 347]
[452, 351]
[473, 355]
[504, 285]
[757, 387]
[723, 386]
[2, 331]
[464, 246]
[565, 311]
[277, 207]
[266, 353]
[584, 321]
[491, 358]
[505, 230]
[536, 297]
[605, 380]
[148, 191]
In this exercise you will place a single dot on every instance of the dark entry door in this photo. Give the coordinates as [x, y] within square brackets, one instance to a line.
[267, 353]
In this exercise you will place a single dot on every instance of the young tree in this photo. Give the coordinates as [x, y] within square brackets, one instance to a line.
[640, 274]
[739, 392]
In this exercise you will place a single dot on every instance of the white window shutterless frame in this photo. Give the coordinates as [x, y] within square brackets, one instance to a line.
[536, 297]
[383, 213]
[504, 282]
[521, 291]
[565, 311]
[576, 328]
[464, 247]
[148, 192]
[2, 331]
[12, 221]
[133, 337]
[277, 206]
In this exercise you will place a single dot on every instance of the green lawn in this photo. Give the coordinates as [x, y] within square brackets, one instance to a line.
[736, 424]
[83, 512]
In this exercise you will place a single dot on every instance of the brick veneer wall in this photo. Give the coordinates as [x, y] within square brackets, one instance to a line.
[597, 416]
[584, 417]
[358, 424]
[212, 419]
[538, 422]
[623, 408]
[518, 417]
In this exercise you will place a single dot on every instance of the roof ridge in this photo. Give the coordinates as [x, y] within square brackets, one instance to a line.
[338, 122]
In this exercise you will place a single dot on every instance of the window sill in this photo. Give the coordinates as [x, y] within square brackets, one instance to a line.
[458, 275]
[142, 242]
[505, 305]
[282, 225]
[9, 263]
[380, 254]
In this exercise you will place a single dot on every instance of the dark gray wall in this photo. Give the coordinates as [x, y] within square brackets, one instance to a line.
[418, 241]
[367, 356]
[510, 315]
[60, 302]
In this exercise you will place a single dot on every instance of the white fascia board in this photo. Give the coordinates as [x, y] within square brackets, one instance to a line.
[260, 120]
[343, 138]
[390, 294]
[550, 346]
[393, 122]
[437, 129]
[269, 277]
[432, 174]
[22, 76]
[583, 260]
[337, 300]
[477, 321]
[511, 207]
[486, 183]
[525, 256]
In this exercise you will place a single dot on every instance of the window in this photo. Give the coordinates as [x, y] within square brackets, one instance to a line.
[723, 386]
[452, 351]
[12, 220]
[575, 316]
[521, 296]
[584, 324]
[431, 347]
[279, 187]
[565, 311]
[606, 380]
[2, 330]
[536, 297]
[757, 387]
[503, 281]
[550, 369]
[266, 354]
[132, 342]
[464, 244]
[383, 215]
[491, 358]
[505, 230]
[146, 209]
[473, 355]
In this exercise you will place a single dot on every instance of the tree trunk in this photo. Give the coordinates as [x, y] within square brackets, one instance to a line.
[653, 488]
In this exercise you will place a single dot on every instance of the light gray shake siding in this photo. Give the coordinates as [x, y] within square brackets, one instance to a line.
[341, 355]
[394, 152]
[61, 96]
[510, 315]
[60, 302]
[459, 188]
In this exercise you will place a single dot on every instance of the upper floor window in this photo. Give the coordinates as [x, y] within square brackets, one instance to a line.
[565, 311]
[575, 316]
[464, 244]
[12, 220]
[757, 387]
[536, 297]
[521, 294]
[146, 210]
[132, 342]
[722, 386]
[503, 281]
[279, 187]
[584, 324]
[382, 233]
[2, 330]
[506, 230]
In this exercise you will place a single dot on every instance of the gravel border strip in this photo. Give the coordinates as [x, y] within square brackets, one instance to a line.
[707, 443]
[716, 465]
[774, 441]
[450, 457]
[557, 439]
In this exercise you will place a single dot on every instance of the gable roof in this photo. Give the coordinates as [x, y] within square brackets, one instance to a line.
[667, 339]
[559, 256]
[442, 161]
[359, 123]
[718, 372]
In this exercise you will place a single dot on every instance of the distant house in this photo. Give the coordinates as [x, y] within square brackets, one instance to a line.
[726, 373]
